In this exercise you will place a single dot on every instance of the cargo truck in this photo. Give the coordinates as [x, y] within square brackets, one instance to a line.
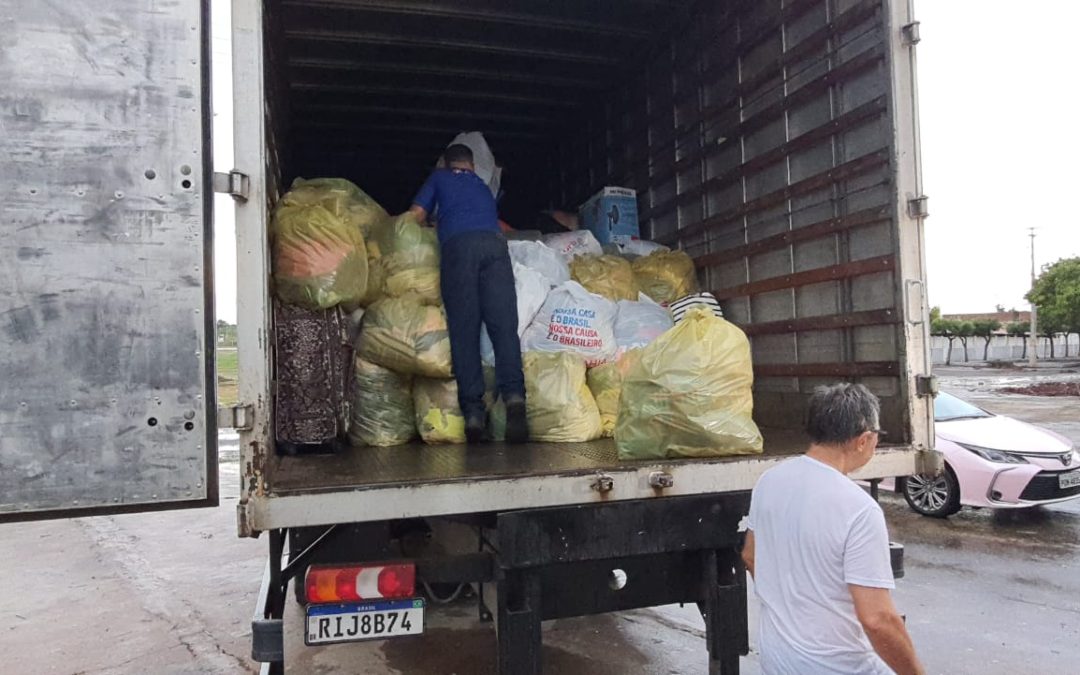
[775, 141]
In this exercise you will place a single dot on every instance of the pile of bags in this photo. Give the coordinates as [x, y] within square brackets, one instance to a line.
[601, 353]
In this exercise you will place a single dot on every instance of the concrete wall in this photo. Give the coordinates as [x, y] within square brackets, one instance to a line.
[1002, 348]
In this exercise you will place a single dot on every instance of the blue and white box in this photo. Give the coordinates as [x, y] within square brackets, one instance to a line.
[611, 215]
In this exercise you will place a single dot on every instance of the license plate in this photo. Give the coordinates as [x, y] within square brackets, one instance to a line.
[1069, 480]
[352, 622]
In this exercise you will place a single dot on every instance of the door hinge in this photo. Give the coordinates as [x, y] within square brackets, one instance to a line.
[926, 385]
[239, 417]
[910, 34]
[233, 183]
[918, 207]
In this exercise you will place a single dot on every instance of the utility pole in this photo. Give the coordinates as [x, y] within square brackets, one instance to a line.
[1033, 353]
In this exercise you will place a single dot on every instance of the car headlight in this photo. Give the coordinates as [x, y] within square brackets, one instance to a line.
[991, 455]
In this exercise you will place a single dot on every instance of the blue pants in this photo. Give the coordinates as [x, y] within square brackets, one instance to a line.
[478, 287]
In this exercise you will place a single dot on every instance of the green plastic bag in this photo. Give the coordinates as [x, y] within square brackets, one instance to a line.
[690, 394]
[407, 335]
[319, 260]
[559, 406]
[438, 414]
[605, 383]
[339, 196]
[606, 275]
[382, 406]
[665, 276]
[409, 255]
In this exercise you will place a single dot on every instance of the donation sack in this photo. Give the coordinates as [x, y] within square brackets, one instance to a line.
[572, 244]
[382, 406]
[605, 383]
[559, 406]
[407, 335]
[606, 275]
[665, 276]
[540, 258]
[573, 320]
[409, 256]
[532, 289]
[319, 258]
[438, 414]
[689, 394]
[638, 323]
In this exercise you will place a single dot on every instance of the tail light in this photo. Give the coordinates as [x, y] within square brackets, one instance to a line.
[326, 583]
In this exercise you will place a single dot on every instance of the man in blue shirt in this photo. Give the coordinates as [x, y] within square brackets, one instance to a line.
[477, 281]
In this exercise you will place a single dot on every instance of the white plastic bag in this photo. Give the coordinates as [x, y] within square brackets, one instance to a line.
[483, 159]
[642, 247]
[637, 324]
[540, 258]
[574, 320]
[572, 244]
[531, 288]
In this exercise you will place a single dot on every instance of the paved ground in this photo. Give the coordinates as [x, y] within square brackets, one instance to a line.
[985, 592]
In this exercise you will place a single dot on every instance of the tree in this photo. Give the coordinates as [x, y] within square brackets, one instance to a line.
[935, 315]
[964, 330]
[1049, 328]
[1020, 329]
[985, 328]
[1057, 296]
[948, 329]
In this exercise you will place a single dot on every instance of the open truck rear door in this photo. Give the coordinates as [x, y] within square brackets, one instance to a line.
[106, 306]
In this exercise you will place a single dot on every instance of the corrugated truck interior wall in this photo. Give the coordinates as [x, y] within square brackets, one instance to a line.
[757, 133]
[759, 141]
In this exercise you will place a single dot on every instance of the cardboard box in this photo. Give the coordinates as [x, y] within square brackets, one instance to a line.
[611, 215]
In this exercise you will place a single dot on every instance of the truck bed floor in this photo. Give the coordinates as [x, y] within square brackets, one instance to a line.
[420, 463]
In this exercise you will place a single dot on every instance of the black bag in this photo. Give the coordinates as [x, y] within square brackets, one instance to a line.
[312, 364]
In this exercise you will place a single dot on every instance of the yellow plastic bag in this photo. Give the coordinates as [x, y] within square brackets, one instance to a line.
[382, 406]
[606, 275]
[409, 253]
[407, 335]
[689, 394]
[558, 403]
[605, 383]
[665, 276]
[339, 196]
[319, 260]
[438, 414]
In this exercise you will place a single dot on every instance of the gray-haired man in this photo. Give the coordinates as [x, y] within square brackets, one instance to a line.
[819, 552]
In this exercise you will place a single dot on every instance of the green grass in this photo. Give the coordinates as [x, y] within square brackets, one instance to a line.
[227, 368]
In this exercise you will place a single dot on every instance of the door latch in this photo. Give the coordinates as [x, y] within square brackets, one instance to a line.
[661, 480]
[926, 385]
[910, 33]
[233, 183]
[918, 207]
[239, 417]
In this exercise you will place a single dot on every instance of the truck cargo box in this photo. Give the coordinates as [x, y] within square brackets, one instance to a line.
[775, 142]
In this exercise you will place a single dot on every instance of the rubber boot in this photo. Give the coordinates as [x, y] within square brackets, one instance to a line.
[517, 423]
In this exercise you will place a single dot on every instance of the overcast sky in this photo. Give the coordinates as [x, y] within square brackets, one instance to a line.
[999, 139]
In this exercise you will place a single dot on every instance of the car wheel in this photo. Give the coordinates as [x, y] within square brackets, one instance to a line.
[934, 496]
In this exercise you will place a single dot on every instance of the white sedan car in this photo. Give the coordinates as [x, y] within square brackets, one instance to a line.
[992, 461]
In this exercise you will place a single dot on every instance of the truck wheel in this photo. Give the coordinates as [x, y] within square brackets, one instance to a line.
[933, 496]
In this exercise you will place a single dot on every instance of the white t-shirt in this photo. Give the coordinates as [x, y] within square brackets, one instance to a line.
[815, 532]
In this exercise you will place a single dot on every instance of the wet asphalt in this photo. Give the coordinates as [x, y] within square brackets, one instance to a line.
[985, 592]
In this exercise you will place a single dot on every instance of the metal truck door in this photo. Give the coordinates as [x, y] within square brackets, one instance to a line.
[106, 352]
